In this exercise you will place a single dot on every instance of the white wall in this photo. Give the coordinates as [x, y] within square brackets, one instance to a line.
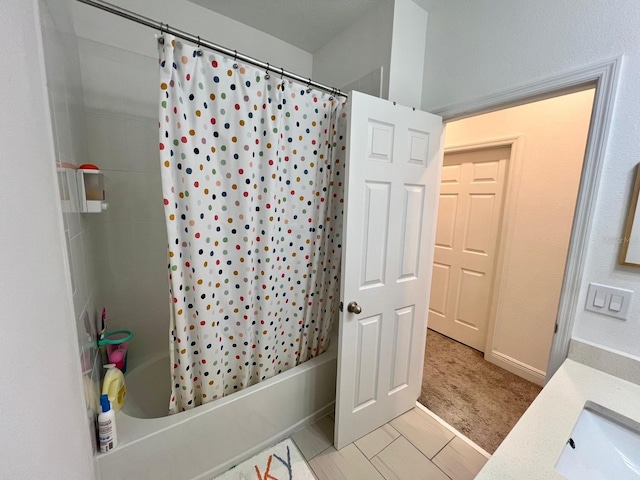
[45, 432]
[553, 135]
[391, 36]
[478, 48]
[407, 53]
[357, 50]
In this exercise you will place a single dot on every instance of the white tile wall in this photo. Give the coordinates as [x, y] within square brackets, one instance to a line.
[72, 219]
[79, 274]
[65, 96]
[129, 239]
[143, 155]
[119, 81]
[147, 197]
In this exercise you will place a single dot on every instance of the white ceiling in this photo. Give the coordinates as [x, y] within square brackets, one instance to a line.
[307, 24]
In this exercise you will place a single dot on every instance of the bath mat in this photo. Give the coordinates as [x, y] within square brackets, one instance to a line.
[280, 462]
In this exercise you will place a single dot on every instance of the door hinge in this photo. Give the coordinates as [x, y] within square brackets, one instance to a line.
[555, 329]
[341, 306]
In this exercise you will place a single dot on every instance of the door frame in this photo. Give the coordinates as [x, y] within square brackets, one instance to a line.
[604, 76]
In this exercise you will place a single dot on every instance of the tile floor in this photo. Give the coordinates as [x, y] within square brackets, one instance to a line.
[413, 446]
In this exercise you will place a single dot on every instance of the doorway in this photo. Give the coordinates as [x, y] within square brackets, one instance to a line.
[529, 161]
[469, 218]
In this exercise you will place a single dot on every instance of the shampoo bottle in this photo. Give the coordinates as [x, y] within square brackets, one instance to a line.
[113, 386]
[107, 425]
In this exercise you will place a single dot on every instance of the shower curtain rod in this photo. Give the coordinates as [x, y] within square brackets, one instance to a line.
[164, 27]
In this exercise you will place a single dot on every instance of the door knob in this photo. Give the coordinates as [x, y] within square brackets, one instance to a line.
[353, 307]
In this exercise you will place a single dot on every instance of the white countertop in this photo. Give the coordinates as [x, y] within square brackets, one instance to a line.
[532, 448]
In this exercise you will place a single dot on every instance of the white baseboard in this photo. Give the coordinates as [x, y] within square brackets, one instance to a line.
[517, 367]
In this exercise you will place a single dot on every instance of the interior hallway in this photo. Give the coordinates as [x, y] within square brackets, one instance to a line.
[479, 399]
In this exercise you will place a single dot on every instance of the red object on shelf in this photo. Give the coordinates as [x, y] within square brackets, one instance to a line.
[88, 166]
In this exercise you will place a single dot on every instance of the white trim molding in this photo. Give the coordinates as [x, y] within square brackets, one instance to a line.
[517, 367]
[604, 76]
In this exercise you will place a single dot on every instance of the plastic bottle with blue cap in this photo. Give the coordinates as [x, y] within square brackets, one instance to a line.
[107, 434]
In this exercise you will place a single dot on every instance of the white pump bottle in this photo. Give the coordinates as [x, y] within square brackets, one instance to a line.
[107, 425]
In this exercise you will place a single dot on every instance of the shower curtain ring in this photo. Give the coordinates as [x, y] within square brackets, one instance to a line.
[309, 86]
[235, 56]
[266, 73]
[161, 37]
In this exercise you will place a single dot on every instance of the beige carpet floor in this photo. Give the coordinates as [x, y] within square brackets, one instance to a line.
[477, 398]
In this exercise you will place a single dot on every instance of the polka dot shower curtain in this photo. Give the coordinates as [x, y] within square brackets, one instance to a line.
[252, 173]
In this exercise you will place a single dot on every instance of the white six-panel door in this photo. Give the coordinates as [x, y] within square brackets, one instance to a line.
[469, 217]
[393, 167]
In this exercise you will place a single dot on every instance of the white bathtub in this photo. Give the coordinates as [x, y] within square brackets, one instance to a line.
[210, 439]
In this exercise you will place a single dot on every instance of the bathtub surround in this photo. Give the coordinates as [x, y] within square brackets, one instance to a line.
[119, 75]
[212, 438]
[62, 64]
[129, 240]
[252, 169]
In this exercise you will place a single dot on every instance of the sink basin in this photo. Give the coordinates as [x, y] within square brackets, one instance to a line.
[603, 445]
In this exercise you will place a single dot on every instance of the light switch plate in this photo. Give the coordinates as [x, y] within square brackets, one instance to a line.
[595, 304]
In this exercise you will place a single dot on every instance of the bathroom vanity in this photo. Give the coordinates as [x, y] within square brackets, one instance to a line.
[534, 446]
